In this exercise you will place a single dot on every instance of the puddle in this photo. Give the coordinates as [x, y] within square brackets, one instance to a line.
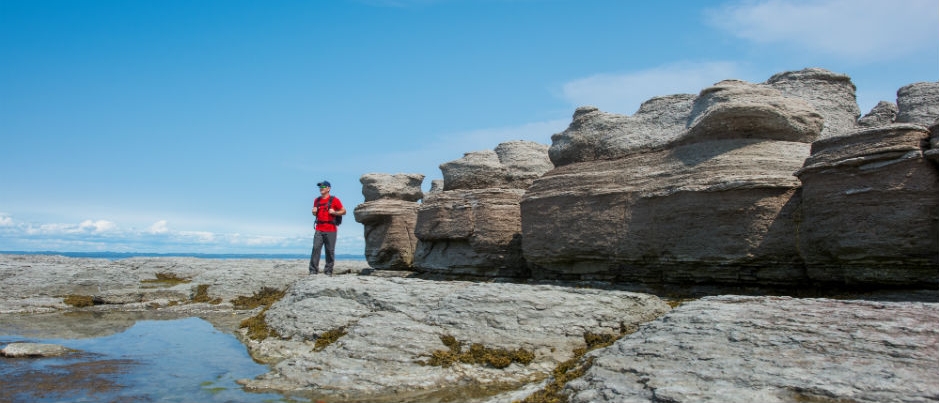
[182, 360]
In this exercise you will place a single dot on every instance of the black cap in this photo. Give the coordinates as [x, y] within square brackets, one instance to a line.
[324, 184]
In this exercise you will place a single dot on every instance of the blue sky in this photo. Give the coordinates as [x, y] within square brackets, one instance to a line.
[203, 126]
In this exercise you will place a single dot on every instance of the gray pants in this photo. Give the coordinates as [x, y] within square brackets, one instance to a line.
[329, 240]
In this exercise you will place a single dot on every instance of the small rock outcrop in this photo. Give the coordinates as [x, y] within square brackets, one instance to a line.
[389, 215]
[595, 135]
[735, 109]
[884, 113]
[512, 165]
[918, 103]
[473, 225]
[831, 94]
[772, 349]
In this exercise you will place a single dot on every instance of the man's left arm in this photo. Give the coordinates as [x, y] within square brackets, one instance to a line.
[341, 210]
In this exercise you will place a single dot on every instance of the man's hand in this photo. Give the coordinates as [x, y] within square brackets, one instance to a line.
[314, 210]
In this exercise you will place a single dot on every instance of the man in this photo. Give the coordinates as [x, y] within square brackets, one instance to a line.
[325, 209]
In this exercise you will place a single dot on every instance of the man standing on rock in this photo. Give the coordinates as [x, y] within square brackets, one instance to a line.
[328, 211]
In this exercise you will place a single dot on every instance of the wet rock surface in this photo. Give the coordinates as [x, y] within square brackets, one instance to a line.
[16, 350]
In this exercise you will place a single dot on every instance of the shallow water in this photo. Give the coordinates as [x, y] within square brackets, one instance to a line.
[182, 360]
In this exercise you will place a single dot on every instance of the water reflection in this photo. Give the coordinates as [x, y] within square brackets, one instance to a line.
[183, 360]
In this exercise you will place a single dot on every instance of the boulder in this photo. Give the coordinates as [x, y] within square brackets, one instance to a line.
[389, 224]
[391, 328]
[772, 349]
[472, 231]
[595, 135]
[918, 103]
[831, 94]
[476, 170]
[406, 187]
[871, 208]
[884, 113]
[524, 161]
[739, 110]
[512, 165]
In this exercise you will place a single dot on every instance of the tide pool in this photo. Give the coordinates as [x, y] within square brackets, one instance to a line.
[181, 360]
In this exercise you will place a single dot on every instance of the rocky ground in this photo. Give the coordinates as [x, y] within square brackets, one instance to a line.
[366, 335]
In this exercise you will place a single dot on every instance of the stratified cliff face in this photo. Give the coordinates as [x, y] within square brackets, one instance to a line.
[704, 189]
[775, 183]
[712, 205]
[870, 201]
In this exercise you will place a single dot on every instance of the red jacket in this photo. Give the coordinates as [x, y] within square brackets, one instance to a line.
[324, 220]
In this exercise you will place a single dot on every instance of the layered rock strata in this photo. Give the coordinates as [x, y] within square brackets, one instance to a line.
[829, 93]
[707, 192]
[870, 208]
[713, 204]
[388, 216]
[473, 225]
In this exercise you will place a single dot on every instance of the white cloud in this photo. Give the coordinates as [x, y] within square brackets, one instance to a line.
[623, 93]
[856, 29]
[158, 227]
[5, 220]
[97, 226]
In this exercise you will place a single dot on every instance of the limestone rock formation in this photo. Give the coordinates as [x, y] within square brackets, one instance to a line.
[772, 349]
[918, 103]
[698, 212]
[832, 95]
[391, 326]
[512, 165]
[884, 113]
[436, 185]
[713, 204]
[708, 193]
[473, 226]
[933, 152]
[406, 187]
[389, 215]
[734, 109]
[472, 232]
[871, 208]
[595, 135]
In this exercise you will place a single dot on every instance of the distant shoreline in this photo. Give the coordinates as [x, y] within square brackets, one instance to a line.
[127, 255]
